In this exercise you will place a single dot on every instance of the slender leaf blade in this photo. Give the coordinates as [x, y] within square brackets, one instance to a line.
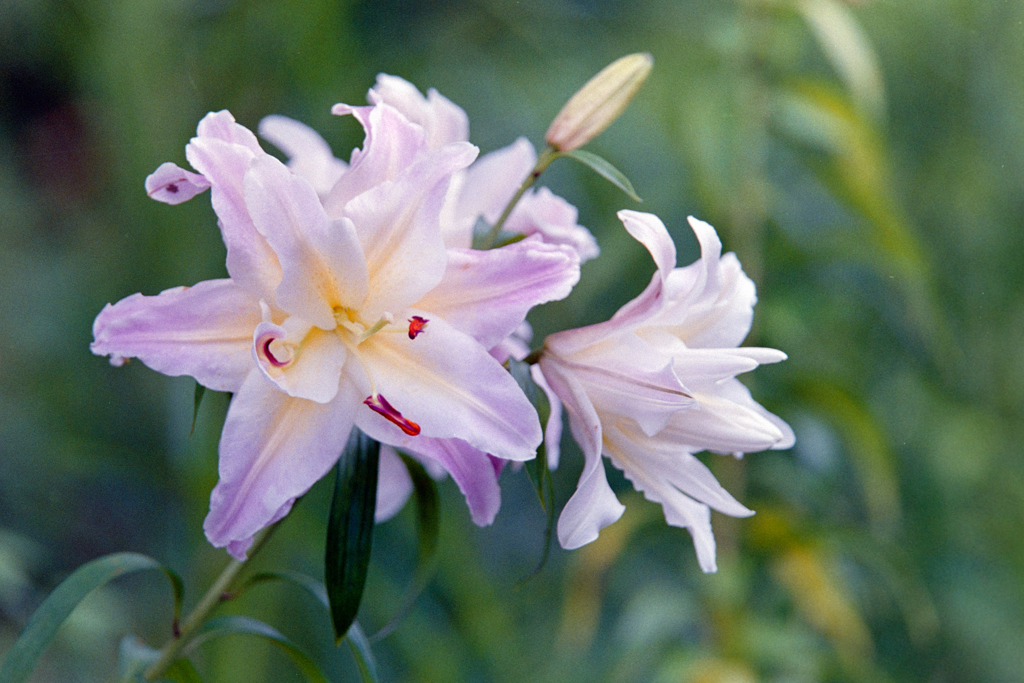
[362, 652]
[357, 640]
[428, 516]
[43, 625]
[350, 529]
[604, 168]
[218, 627]
[197, 400]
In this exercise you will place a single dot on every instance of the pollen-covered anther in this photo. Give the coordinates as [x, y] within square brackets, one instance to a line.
[416, 325]
[380, 405]
[274, 350]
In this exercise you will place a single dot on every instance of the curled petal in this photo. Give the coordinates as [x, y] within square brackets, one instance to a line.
[303, 362]
[593, 506]
[443, 121]
[392, 144]
[172, 184]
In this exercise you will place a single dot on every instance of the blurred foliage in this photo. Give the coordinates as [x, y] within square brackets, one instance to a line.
[864, 159]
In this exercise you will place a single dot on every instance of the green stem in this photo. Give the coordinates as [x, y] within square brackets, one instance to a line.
[547, 155]
[220, 588]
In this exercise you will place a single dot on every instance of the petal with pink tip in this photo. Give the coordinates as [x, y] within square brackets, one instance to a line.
[171, 184]
[203, 331]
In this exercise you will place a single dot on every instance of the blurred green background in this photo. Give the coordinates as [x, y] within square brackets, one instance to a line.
[865, 161]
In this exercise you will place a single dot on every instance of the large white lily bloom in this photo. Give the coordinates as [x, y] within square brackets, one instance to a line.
[344, 307]
[657, 383]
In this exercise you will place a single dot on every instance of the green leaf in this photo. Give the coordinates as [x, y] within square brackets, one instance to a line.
[538, 469]
[219, 627]
[360, 646]
[43, 625]
[357, 640]
[428, 515]
[135, 656]
[350, 529]
[604, 168]
[197, 399]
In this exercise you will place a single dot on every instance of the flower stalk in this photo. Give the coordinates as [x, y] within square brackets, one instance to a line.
[547, 155]
[219, 591]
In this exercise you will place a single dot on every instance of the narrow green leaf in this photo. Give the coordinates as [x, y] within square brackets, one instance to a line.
[42, 626]
[363, 654]
[356, 638]
[135, 656]
[604, 168]
[219, 627]
[428, 515]
[197, 399]
[350, 529]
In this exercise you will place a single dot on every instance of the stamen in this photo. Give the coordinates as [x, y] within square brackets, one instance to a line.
[380, 405]
[416, 325]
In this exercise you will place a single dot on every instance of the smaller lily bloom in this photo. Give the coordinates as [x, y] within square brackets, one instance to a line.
[599, 102]
[657, 383]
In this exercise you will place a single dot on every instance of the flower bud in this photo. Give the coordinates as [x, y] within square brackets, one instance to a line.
[599, 102]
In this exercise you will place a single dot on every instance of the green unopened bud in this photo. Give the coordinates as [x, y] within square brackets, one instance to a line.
[599, 102]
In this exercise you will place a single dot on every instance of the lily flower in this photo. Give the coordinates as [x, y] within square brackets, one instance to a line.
[343, 308]
[657, 383]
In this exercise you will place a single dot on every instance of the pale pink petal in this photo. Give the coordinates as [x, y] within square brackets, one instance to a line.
[394, 485]
[486, 187]
[171, 184]
[545, 214]
[392, 144]
[273, 449]
[221, 125]
[452, 388]
[650, 397]
[321, 260]
[398, 225]
[309, 155]
[250, 260]
[203, 331]
[487, 294]
[727, 420]
[659, 466]
[471, 469]
[443, 122]
[593, 506]
[648, 230]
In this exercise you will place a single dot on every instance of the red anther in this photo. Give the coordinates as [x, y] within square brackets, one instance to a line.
[380, 405]
[416, 325]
